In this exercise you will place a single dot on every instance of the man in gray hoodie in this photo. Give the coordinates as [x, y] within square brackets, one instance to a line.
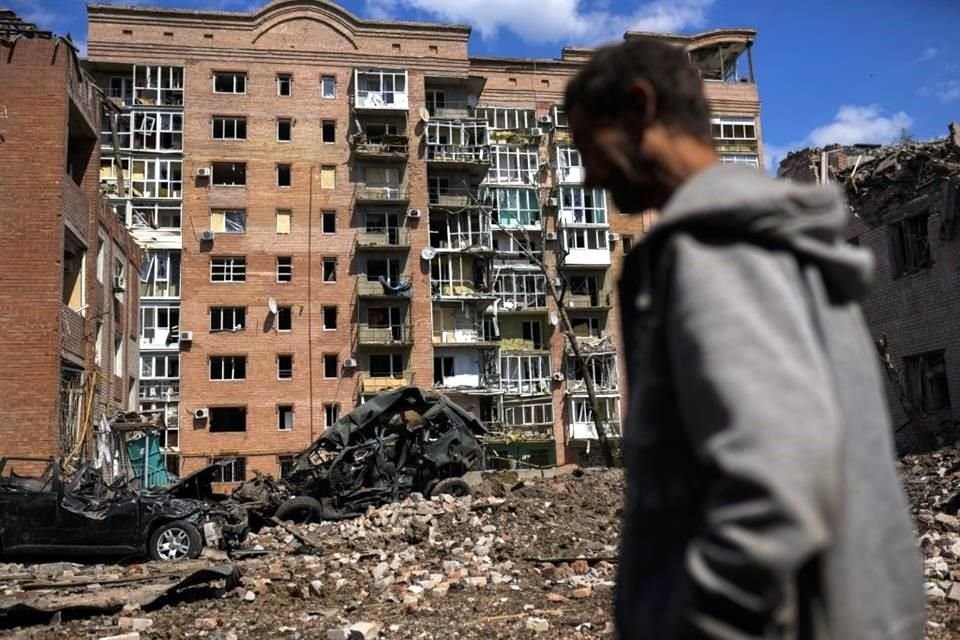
[762, 497]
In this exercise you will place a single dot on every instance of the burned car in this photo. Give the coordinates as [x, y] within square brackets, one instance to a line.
[400, 442]
[49, 512]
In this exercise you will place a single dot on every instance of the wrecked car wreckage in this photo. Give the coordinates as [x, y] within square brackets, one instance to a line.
[399, 442]
[83, 514]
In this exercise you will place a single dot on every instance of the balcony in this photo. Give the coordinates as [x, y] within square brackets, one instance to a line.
[599, 301]
[456, 289]
[588, 430]
[570, 175]
[396, 335]
[454, 156]
[394, 288]
[461, 338]
[386, 147]
[380, 90]
[380, 239]
[381, 194]
[457, 198]
[371, 385]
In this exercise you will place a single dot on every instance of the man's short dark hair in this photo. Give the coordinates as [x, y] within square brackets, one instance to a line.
[603, 87]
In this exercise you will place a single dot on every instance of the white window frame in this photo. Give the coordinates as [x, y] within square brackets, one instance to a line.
[155, 123]
[745, 159]
[150, 323]
[331, 414]
[125, 90]
[159, 366]
[523, 205]
[285, 269]
[227, 367]
[586, 239]
[159, 178]
[234, 220]
[525, 373]
[508, 118]
[157, 267]
[531, 414]
[227, 318]
[560, 120]
[729, 126]
[388, 98]
[155, 215]
[582, 206]
[283, 425]
[513, 165]
[232, 268]
[581, 414]
[229, 127]
[289, 79]
[520, 289]
[236, 75]
[323, 87]
[160, 82]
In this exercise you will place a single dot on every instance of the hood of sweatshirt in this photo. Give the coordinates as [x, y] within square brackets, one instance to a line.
[743, 203]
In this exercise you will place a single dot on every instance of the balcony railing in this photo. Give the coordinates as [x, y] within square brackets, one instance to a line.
[381, 100]
[451, 110]
[601, 300]
[458, 198]
[468, 241]
[372, 385]
[399, 287]
[385, 336]
[458, 154]
[386, 194]
[392, 238]
[588, 430]
[388, 146]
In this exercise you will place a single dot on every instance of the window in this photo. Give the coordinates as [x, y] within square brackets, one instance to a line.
[229, 82]
[508, 118]
[236, 471]
[381, 88]
[286, 464]
[228, 367]
[329, 221]
[121, 87]
[228, 318]
[926, 377]
[159, 325]
[285, 319]
[517, 207]
[284, 268]
[229, 128]
[909, 245]
[585, 238]
[328, 86]
[628, 244]
[748, 159]
[560, 118]
[329, 269]
[74, 274]
[329, 318]
[329, 131]
[583, 206]
[528, 415]
[285, 367]
[442, 368]
[434, 48]
[151, 131]
[525, 373]
[284, 129]
[284, 84]
[328, 177]
[100, 258]
[513, 165]
[284, 218]
[330, 365]
[159, 366]
[331, 413]
[228, 220]
[229, 174]
[585, 327]
[118, 361]
[386, 365]
[228, 269]
[284, 178]
[531, 331]
[155, 85]
[160, 274]
[285, 417]
[156, 178]
[156, 216]
[569, 164]
[733, 129]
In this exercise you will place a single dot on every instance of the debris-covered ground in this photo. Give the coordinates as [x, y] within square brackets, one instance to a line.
[488, 566]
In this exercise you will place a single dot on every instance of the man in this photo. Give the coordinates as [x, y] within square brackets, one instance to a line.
[762, 497]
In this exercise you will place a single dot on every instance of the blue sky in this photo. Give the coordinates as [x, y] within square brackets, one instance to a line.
[828, 71]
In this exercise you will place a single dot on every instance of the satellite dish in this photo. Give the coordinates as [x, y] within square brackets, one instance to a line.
[472, 102]
[428, 253]
[424, 114]
[272, 305]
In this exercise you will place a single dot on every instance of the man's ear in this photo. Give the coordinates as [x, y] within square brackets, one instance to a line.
[645, 102]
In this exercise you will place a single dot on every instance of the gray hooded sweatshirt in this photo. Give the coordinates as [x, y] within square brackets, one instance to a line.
[762, 498]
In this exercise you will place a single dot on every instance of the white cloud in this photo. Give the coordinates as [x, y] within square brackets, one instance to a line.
[853, 124]
[948, 91]
[928, 54]
[564, 21]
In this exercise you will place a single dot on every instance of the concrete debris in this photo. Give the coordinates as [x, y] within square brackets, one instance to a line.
[537, 625]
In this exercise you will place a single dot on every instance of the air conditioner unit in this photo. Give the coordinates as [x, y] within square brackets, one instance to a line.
[413, 213]
[549, 235]
[208, 235]
[350, 363]
[203, 172]
[119, 284]
[552, 202]
[186, 336]
[547, 120]
[558, 376]
[201, 414]
[613, 237]
[536, 132]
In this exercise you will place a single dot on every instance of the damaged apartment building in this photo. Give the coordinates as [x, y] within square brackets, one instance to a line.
[333, 207]
[68, 267]
[905, 201]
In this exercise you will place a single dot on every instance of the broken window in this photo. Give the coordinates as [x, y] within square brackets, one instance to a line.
[526, 374]
[585, 327]
[528, 415]
[531, 331]
[442, 368]
[284, 175]
[285, 367]
[331, 413]
[329, 131]
[513, 165]
[156, 216]
[236, 471]
[285, 319]
[560, 120]
[228, 269]
[329, 222]
[569, 164]
[74, 273]
[508, 118]
[381, 88]
[746, 159]
[329, 269]
[154, 131]
[517, 207]
[228, 220]
[156, 178]
[284, 268]
[229, 128]
[284, 84]
[583, 206]
[160, 273]
[330, 365]
[228, 318]
[229, 174]
[228, 367]
[229, 82]
[159, 325]
[592, 239]
[285, 417]
[155, 85]
[909, 245]
[386, 365]
[159, 366]
[328, 87]
[227, 419]
[121, 87]
[329, 318]
[926, 377]
[284, 219]
[284, 129]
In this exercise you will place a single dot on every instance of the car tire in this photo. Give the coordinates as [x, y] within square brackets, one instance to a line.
[301, 510]
[177, 540]
[456, 487]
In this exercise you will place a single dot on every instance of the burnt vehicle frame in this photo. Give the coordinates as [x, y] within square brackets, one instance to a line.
[397, 443]
[80, 513]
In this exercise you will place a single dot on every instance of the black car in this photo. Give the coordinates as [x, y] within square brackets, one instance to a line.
[41, 511]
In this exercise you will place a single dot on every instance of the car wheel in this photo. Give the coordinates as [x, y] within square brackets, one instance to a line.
[301, 510]
[454, 486]
[177, 540]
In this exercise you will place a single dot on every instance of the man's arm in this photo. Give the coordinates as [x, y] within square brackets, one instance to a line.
[756, 400]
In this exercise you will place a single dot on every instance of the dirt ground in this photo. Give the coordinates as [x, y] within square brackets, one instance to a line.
[484, 567]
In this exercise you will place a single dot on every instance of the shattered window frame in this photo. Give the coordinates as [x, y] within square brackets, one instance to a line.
[227, 419]
[228, 174]
[228, 368]
[285, 366]
[909, 243]
[230, 319]
[393, 365]
[927, 382]
[228, 220]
